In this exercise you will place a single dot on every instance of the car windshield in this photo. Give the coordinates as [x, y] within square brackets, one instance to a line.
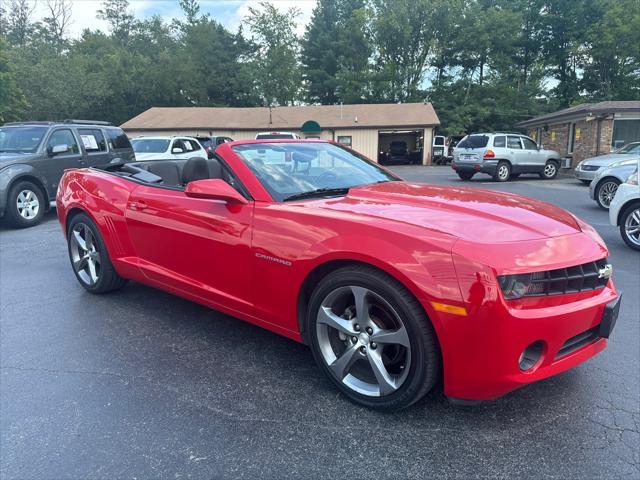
[150, 145]
[474, 141]
[290, 170]
[630, 148]
[21, 139]
[206, 142]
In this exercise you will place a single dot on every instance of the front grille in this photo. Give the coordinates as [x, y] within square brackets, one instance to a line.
[589, 168]
[579, 341]
[580, 278]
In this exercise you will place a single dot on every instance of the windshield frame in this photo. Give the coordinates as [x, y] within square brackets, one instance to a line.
[633, 145]
[35, 149]
[328, 190]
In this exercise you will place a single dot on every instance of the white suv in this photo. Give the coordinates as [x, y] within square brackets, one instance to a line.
[167, 148]
[503, 155]
[624, 211]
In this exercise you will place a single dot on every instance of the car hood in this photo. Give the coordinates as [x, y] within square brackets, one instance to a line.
[476, 215]
[11, 158]
[604, 160]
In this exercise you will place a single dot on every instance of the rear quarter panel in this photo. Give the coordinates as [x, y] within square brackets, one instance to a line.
[103, 197]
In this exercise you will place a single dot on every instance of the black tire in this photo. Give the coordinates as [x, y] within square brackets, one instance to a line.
[424, 367]
[550, 170]
[625, 216]
[604, 191]
[108, 279]
[503, 171]
[466, 175]
[20, 217]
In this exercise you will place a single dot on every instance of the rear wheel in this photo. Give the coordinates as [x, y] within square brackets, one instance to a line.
[503, 172]
[630, 226]
[25, 205]
[605, 191]
[89, 257]
[550, 170]
[466, 175]
[372, 338]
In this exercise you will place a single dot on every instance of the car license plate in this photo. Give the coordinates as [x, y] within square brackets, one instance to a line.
[609, 317]
[438, 151]
[467, 157]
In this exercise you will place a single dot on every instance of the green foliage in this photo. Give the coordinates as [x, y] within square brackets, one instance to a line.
[484, 64]
[12, 100]
[278, 73]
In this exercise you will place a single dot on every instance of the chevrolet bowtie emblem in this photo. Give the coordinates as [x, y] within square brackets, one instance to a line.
[606, 271]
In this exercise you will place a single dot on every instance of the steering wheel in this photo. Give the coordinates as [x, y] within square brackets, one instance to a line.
[328, 175]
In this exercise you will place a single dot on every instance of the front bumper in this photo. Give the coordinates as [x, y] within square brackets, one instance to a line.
[487, 166]
[585, 175]
[481, 352]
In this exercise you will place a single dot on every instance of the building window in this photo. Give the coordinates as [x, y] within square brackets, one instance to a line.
[572, 137]
[625, 132]
[344, 140]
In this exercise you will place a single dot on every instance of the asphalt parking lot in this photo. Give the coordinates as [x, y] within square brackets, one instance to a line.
[143, 384]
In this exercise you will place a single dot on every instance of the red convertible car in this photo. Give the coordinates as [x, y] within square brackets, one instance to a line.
[393, 285]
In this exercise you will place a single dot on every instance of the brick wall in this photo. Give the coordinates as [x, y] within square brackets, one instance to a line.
[556, 137]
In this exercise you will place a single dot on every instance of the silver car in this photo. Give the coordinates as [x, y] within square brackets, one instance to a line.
[586, 169]
[503, 156]
[603, 187]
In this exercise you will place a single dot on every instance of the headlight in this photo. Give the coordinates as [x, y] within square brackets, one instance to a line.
[517, 286]
[579, 166]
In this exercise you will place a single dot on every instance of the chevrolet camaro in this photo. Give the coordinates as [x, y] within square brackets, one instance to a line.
[395, 286]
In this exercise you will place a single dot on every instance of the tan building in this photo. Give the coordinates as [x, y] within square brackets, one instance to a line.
[587, 130]
[367, 128]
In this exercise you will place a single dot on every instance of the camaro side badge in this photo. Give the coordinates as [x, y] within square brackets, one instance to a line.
[274, 259]
[606, 272]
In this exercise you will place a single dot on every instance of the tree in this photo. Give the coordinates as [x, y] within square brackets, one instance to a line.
[335, 53]
[277, 70]
[58, 20]
[402, 32]
[12, 99]
[18, 22]
[121, 20]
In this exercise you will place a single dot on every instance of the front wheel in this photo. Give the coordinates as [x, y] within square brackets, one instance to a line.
[89, 257]
[550, 170]
[630, 226]
[372, 338]
[605, 191]
[503, 172]
[25, 205]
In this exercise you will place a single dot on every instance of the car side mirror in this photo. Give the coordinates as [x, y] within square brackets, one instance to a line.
[215, 189]
[177, 150]
[58, 149]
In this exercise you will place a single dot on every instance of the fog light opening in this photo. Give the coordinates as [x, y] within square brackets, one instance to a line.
[531, 356]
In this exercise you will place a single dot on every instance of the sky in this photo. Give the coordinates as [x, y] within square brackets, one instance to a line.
[228, 12]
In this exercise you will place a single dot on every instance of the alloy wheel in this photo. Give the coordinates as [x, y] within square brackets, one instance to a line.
[363, 341]
[28, 204]
[606, 192]
[84, 254]
[503, 172]
[549, 170]
[632, 226]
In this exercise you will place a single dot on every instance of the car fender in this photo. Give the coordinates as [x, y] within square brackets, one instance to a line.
[14, 172]
[426, 271]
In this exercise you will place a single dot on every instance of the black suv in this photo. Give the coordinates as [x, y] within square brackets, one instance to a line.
[33, 156]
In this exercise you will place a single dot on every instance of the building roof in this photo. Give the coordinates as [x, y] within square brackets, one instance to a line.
[285, 118]
[583, 109]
